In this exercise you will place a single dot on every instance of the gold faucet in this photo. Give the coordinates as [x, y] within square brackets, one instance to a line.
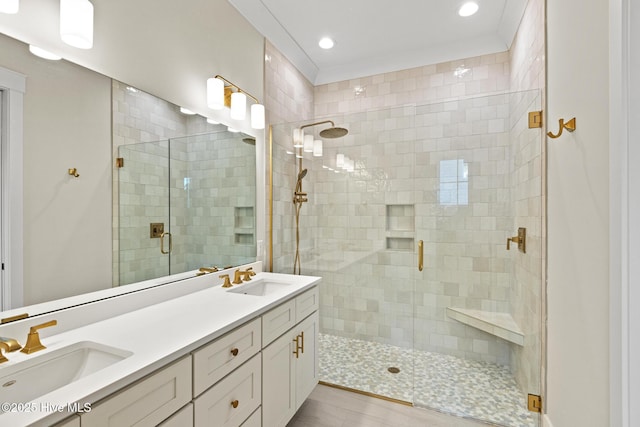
[205, 270]
[33, 338]
[237, 276]
[8, 345]
[248, 273]
[227, 282]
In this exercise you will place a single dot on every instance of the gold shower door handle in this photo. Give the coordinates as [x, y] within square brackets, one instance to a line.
[420, 255]
[162, 243]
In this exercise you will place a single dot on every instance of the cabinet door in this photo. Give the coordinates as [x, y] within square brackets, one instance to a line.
[278, 381]
[307, 364]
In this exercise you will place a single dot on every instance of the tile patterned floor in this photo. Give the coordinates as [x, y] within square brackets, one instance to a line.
[478, 390]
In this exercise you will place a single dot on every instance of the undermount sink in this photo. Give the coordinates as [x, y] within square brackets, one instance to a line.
[37, 376]
[259, 288]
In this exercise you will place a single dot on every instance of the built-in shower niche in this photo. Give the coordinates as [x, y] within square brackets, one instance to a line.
[244, 225]
[400, 227]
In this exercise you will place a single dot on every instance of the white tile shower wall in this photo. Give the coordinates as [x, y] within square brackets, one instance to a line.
[382, 309]
[529, 171]
[289, 98]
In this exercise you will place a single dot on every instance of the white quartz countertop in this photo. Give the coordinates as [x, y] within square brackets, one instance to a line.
[156, 335]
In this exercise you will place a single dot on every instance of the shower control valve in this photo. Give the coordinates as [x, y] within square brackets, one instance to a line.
[520, 240]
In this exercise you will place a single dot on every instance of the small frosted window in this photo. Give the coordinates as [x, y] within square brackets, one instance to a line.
[454, 183]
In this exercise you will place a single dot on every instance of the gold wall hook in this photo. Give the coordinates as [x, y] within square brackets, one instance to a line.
[569, 126]
[74, 172]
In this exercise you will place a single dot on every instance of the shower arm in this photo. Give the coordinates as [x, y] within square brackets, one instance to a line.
[309, 125]
[318, 123]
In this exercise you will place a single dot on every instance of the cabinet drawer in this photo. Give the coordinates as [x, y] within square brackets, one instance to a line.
[212, 362]
[230, 402]
[73, 421]
[278, 321]
[182, 418]
[147, 402]
[307, 303]
[255, 420]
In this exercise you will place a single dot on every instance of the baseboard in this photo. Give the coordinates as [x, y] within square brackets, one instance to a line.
[546, 422]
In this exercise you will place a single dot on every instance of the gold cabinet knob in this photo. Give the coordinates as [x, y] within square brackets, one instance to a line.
[235, 403]
[234, 351]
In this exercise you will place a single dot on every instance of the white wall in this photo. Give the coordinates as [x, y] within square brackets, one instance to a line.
[578, 215]
[67, 124]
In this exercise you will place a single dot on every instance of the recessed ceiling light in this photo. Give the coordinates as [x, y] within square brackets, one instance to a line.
[186, 111]
[468, 9]
[326, 43]
[43, 53]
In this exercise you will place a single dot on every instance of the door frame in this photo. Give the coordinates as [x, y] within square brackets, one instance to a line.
[13, 86]
[624, 247]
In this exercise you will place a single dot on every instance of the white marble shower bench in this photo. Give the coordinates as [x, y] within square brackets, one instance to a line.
[499, 324]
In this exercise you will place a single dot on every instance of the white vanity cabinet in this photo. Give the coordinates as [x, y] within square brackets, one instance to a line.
[290, 363]
[258, 374]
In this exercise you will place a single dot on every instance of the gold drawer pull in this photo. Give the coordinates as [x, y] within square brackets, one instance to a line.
[295, 340]
[302, 339]
[235, 403]
[234, 351]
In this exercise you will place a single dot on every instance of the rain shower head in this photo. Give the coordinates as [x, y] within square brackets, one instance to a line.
[249, 140]
[332, 132]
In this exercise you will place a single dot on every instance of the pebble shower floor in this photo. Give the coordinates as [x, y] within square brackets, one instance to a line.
[471, 389]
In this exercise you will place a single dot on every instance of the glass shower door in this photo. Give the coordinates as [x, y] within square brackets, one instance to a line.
[358, 233]
[478, 180]
[143, 204]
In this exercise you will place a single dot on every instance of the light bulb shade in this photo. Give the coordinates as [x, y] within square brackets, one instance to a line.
[9, 6]
[340, 160]
[317, 148]
[76, 23]
[298, 137]
[43, 53]
[238, 106]
[215, 93]
[308, 143]
[257, 116]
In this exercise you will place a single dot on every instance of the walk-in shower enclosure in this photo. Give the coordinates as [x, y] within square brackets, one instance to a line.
[461, 176]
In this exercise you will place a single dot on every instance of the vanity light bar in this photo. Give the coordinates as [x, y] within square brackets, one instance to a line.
[220, 94]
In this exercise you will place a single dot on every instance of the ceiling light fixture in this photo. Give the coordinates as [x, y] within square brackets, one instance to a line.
[76, 23]
[9, 6]
[222, 93]
[187, 111]
[326, 43]
[468, 9]
[45, 54]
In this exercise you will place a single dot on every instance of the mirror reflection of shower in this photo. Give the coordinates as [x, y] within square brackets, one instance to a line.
[299, 196]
